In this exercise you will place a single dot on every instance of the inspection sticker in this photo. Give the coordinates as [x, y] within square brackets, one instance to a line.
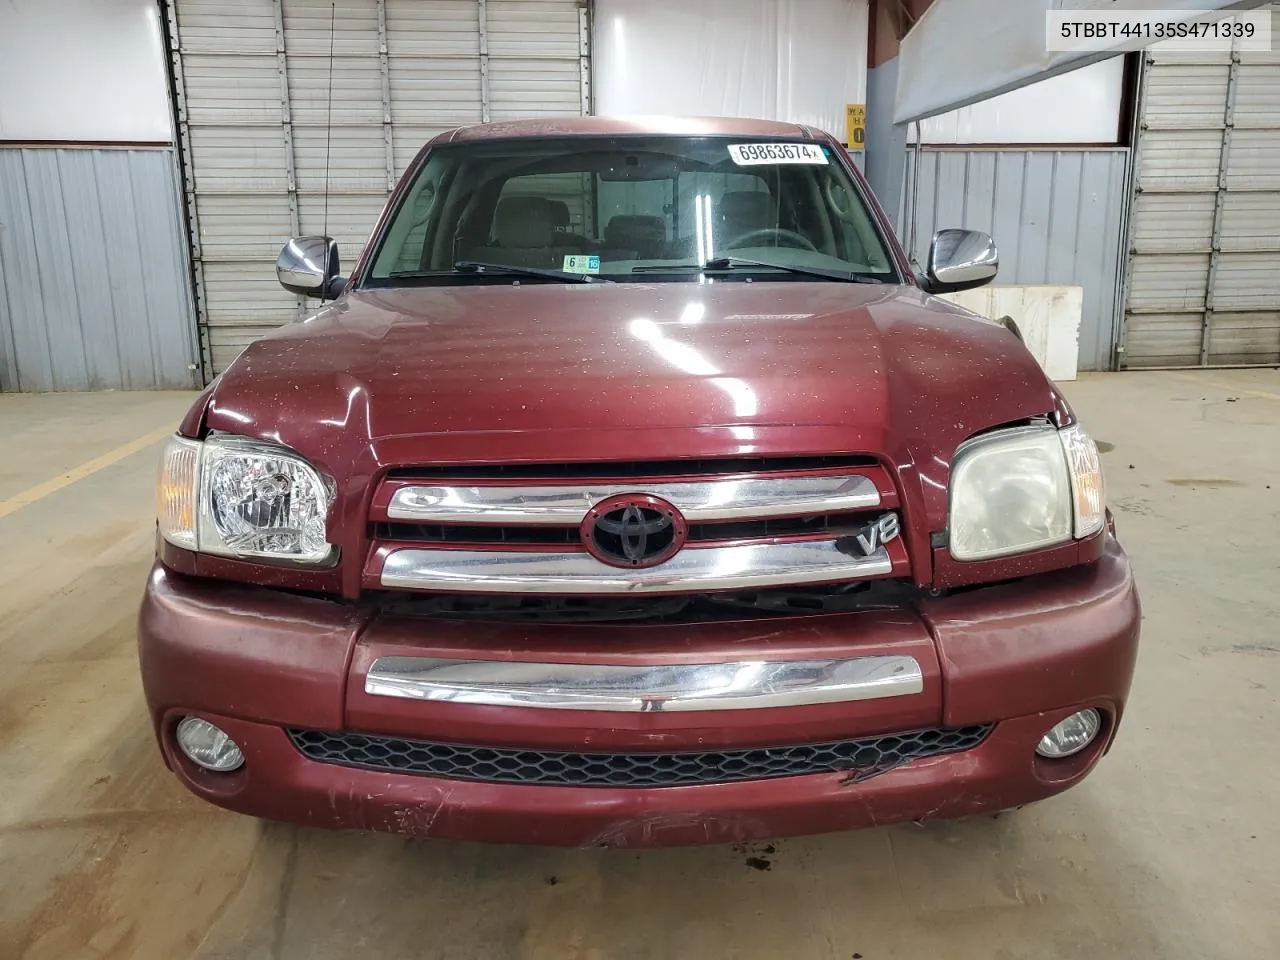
[581, 264]
[751, 154]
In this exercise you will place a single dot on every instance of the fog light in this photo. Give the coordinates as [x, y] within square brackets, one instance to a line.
[1071, 735]
[208, 746]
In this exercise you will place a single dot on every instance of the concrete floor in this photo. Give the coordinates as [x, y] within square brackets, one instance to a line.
[1170, 850]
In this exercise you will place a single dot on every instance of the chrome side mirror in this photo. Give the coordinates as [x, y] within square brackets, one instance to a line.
[309, 266]
[960, 259]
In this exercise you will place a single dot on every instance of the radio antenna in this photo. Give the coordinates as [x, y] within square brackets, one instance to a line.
[328, 124]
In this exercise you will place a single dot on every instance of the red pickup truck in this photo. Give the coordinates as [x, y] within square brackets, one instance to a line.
[634, 488]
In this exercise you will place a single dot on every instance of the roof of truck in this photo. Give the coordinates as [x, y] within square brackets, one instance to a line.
[620, 126]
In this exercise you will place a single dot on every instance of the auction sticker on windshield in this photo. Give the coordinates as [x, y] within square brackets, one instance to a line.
[751, 154]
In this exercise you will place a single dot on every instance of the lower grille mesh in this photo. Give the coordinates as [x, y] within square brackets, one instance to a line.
[861, 758]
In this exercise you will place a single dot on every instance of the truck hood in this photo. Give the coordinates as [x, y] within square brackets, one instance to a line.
[552, 372]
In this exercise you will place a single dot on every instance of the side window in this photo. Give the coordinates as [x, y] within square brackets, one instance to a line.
[418, 210]
[850, 245]
[855, 234]
[403, 250]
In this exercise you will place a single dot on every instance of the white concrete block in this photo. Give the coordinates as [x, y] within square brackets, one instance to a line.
[1048, 316]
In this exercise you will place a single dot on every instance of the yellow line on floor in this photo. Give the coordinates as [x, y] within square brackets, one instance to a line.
[1198, 378]
[88, 468]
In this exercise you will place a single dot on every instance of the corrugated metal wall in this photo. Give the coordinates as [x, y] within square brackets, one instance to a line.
[253, 90]
[94, 290]
[1204, 265]
[1055, 216]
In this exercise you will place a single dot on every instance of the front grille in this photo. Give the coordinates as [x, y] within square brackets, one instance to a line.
[684, 608]
[830, 523]
[474, 533]
[860, 758]
[734, 524]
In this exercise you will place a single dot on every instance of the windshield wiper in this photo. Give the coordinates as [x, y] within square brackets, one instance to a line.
[720, 264]
[479, 266]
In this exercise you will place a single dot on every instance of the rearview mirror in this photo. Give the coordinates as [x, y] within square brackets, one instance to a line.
[959, 260]
[637, 167]
[309, 266]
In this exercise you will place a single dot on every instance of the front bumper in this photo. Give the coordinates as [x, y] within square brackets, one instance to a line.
[256, 662]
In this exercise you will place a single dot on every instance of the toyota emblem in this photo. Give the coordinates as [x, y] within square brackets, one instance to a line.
[633, 530]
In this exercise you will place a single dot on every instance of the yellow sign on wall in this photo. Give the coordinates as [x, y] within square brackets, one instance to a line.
[855, 119]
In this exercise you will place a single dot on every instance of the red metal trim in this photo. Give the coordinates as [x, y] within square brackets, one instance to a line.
[950, 572]
[310, 579]
[618, 479]
[175, 558]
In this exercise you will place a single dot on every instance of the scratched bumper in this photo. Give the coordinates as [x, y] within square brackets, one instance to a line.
[1022, 656]
[278, 783]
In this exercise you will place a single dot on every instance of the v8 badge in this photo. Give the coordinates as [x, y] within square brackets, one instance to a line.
[871, 537]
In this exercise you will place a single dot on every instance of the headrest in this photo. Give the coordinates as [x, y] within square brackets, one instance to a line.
[559, 215]
[524, 222]
[635, 232]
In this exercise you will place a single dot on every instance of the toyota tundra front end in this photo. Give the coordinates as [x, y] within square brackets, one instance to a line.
[634, 489]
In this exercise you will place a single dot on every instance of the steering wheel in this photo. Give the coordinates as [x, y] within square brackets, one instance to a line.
[777, 233]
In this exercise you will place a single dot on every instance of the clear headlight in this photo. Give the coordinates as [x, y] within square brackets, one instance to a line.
[176, 491]
[1086, 480]
[243, 498]
[1009, 493]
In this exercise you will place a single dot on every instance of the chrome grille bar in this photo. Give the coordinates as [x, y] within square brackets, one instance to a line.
[698, 500]
[692, 570]
[649, 688]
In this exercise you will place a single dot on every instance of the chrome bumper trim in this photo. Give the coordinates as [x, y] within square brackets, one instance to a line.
[667, 688]
[699, 500]
[692, 570]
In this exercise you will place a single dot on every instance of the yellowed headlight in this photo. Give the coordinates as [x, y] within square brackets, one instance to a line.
[1009, 494]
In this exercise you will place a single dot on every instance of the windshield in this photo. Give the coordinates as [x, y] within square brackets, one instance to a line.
[648, 208]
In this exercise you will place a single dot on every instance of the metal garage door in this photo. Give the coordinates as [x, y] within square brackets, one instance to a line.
[1204, 268]
[251, 82]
